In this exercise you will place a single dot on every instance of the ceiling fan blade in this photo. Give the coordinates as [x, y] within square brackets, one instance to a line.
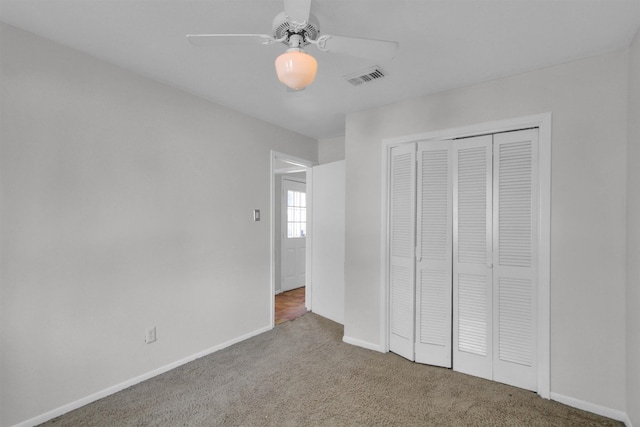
[228, 39]
[297, 12]
[363, 48]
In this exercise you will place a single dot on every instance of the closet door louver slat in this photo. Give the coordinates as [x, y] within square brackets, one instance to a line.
[433, 260]
[515, 228]
[472, 256]
[402, 243]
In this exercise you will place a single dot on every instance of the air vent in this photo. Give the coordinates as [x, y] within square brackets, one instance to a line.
[368, 75]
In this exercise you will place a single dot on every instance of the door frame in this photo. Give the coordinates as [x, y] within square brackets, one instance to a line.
[543, 123]
[307, 165]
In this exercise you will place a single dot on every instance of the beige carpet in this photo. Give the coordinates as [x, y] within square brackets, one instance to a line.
[302, 374]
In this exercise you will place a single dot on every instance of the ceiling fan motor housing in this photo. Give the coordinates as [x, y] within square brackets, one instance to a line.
[282, 27]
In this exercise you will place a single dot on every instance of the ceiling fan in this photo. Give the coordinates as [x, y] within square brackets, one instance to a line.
[296, 28]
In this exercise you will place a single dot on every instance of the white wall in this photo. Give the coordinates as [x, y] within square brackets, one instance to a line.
[126, 204]
[327, 264]
[588, 99]
[330, 150]
[633, 236]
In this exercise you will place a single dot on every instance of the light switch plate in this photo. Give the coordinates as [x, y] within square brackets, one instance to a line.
[256, 214]
[150, 335]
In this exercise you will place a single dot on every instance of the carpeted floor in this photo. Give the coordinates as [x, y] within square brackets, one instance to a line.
[302, 374]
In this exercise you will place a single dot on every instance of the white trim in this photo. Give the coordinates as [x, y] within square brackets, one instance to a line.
[384, 250]
[363, 344]
[307, 164]
[133, 381]
[544, 256]
[495, 126]
[543, 123]
[292, 169]
[286, 177]
[308, 296]
[593, 408]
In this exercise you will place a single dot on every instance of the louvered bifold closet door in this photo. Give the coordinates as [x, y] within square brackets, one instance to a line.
[472, 256]
[402, 249]
[515, 260]
[433, 254]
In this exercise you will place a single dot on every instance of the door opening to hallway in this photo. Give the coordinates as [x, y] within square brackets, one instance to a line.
[290, 305]
[293, 233]
[290, 223]
[290, 302]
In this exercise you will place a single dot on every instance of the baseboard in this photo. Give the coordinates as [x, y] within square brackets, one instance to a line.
[363, 344]
[133, 381]
[592, 407]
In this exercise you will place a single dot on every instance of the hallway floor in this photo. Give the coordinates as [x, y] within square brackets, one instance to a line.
[289, 305]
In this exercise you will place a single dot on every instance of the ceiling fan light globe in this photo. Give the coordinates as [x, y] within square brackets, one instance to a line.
[296, 69]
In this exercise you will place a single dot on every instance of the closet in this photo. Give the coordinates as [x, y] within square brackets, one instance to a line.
[462, 264]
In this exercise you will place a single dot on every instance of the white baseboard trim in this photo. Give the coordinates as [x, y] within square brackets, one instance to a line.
[133, 381]
[592, 407]
[363, 344]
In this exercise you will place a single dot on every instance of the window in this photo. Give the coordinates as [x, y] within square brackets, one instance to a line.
[296, 214]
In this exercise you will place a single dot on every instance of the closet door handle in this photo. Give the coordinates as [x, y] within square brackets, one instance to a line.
[490, 265]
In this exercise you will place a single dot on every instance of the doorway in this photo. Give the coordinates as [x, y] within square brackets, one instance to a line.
[290, 305]
[290, 236]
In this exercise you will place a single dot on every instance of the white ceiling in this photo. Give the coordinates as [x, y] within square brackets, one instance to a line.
[443, 44]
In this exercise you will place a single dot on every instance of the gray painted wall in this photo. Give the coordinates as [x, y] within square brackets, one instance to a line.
[327, 271]
[330, 150]
[633, 237]
[588, 99]
[126, 204]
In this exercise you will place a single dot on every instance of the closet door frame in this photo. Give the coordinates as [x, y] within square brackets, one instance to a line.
[543, 123]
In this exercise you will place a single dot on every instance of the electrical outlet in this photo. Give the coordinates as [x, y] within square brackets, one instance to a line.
[150, 335]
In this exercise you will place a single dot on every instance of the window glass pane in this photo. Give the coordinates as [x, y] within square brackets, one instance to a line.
[296, 214]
